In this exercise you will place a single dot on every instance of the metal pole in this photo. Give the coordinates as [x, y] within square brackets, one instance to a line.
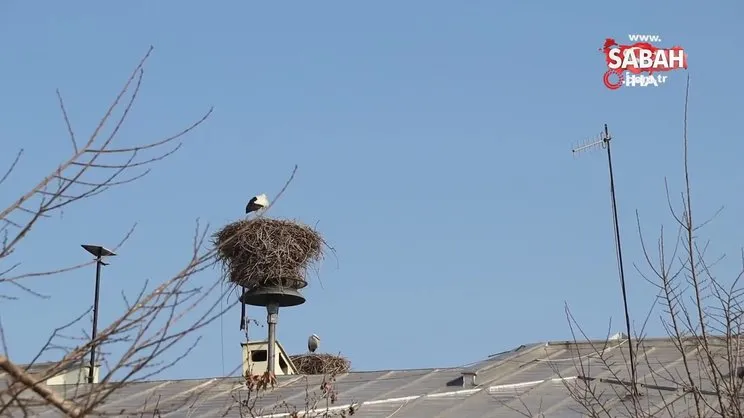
[273, 315]
[621, 270]
[99, 262]
[243, 325]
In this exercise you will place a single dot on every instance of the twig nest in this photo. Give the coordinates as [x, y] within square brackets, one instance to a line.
[320, 363]
[265, 252]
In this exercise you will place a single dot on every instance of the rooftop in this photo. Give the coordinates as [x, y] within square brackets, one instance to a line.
[531, 380]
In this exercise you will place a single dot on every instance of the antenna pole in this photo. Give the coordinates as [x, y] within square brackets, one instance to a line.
[621, 270]
[243, 325]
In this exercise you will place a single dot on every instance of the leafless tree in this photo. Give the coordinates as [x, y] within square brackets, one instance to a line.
[251, 401]
[154, 320]
[702, 314]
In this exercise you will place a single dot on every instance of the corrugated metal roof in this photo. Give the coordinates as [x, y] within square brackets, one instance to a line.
[529, 380]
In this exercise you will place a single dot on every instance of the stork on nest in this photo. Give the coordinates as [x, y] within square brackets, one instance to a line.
[257, 203]
[321, 363]
[263, 252]
[312, 343]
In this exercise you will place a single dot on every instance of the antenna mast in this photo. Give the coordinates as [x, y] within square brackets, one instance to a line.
[604, 142]
[245, 321]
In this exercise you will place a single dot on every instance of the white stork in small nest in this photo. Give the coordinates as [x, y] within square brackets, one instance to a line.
[312, 343]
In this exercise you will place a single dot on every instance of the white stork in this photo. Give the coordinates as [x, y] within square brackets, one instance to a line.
[256, 203]
[313, 342]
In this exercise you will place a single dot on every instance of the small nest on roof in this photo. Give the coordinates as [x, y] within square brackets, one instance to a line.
[265, 252]
[320, 363]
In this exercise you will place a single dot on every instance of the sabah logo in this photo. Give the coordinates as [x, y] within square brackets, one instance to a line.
[640, 64]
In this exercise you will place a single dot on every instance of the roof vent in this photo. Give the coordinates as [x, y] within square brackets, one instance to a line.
[619, 336]
[468, 378]
[256, 359]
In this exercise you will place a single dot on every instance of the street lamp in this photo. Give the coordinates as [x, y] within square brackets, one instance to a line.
[98, 252]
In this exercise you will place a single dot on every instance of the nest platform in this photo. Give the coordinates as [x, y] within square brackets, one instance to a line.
[321, 363]
[266, 252]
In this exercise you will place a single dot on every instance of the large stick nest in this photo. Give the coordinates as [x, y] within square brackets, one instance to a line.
[268, 252]
[320, 363]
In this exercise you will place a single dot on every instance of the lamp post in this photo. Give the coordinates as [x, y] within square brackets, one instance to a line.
[98, 252]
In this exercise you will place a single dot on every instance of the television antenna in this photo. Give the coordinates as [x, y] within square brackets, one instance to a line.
[603, 141]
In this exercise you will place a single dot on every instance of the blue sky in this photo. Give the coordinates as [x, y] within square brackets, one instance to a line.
[433, 143]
